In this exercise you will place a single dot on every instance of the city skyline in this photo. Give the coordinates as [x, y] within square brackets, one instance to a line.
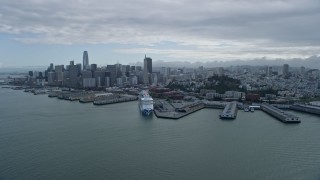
[32, 34]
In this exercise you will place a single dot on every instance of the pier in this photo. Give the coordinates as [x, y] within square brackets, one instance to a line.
[279, 114]
[116, 100]
[177, 110]
[230, 111]
[306, 108]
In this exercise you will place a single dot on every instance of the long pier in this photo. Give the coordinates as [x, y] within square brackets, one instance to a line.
[230, 111]
[306, 108]
[115, 100]
[279, 114]
[179, 112]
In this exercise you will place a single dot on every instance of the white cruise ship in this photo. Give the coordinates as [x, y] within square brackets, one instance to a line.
[145, 103]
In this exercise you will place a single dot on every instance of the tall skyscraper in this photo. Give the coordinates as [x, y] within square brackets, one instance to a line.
[147, 69]
[285, 70]
[59, 72]
[86, 60]
[74, 73]
[113, 74]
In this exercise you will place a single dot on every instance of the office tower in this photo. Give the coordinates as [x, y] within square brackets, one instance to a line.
[154, 78]
[127, 68]
[89, 83]
[66, 78]
[59, 72]
[71, 63]
[285, 70]
[86, 74]
[138, 68]
[85, 60]
[51, 77]
[147, 69]
[93, 67]
[79, 66]
[107, 82]
[133, 68]
[51, 67]
[87, 80]
[100, 78]
[74, 76]
[113, 74]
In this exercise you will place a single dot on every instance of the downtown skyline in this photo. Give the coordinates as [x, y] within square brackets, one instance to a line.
[37, 32]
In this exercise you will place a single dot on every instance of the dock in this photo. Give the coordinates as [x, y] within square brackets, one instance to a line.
[178, 112]
[119, 99]
[230, 111]
[306, 108]
[279, 114]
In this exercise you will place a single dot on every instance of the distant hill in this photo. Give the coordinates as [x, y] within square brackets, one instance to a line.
[310, 62]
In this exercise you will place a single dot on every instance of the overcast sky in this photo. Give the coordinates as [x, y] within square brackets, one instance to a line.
[37, 32]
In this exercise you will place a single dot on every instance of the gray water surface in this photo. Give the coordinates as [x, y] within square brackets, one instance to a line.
[48, 138]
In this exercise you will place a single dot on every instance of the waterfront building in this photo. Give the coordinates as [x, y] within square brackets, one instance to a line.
[134, 80]
[154, 78]
[89, 83]
[85, 60]
[100, 78]
[119, 81]
[107, 81]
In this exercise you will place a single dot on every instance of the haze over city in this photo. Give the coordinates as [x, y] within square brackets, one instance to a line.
[36, 33]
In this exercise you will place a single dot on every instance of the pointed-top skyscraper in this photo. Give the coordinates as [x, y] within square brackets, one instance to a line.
[85, 60]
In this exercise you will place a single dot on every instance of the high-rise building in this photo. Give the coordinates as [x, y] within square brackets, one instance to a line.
[74, 76]
[138, 68]
[51, 67]
[59, 72]
[51, 77]
[113, 74]
[147, 69]
[100, 78]
[86, 60]
[93, 67]
[86, 74]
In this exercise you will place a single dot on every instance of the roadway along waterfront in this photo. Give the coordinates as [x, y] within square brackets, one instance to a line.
[46, 138]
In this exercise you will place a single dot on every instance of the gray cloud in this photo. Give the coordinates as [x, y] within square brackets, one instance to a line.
[211, 29]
